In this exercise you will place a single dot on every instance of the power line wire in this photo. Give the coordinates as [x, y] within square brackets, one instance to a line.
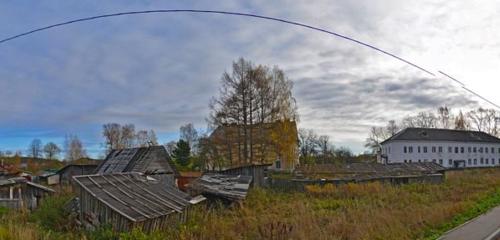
[223, 13]
[245, 15]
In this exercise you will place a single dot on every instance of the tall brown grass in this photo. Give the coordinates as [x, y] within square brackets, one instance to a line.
[352, 211]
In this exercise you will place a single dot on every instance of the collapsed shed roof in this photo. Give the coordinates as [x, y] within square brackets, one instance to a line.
[22, 180]
[225, 186]
[134, 195]
[373, 169]
[151, 160]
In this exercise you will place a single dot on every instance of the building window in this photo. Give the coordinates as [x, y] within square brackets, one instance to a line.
[481, 149]
[469, 149]
[475, 161]
[469, 162]
[405, 160]
[433, 160]
[474, 149]
[492, 150]
[441, 161]
[425, 149]
[409, 160]
[487, 161]
[450, 149]
[492, 161]
[419, 160]
[410, 149]
[486, 150]
[404, 149]
[462, 150]
[440, 149]
[450, 162]
[482, 161]
[278, 164]
[456, 149]
[418, 149]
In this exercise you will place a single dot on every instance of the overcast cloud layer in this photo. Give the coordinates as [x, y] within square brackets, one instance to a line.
[159, 71]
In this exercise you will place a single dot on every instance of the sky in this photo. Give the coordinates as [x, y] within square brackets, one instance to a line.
[159, 71]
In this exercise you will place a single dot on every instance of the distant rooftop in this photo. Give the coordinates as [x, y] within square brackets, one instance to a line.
[436, 134]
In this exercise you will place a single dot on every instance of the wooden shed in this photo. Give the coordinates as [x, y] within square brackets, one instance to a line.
[153, 160]
[20, 193]
[66, 173]
[131, 200]
[256, 171]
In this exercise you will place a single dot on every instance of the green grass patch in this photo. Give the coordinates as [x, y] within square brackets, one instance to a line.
[478, 208]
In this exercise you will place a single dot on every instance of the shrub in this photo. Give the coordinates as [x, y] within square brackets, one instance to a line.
[51, 214]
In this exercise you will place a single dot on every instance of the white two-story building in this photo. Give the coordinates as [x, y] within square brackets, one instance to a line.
[450, 148]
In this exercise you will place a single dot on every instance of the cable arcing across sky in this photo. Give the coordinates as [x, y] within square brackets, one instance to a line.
[217, 12]
[282, 20]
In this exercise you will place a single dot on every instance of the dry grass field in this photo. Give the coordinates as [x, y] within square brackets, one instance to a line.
[352, 211]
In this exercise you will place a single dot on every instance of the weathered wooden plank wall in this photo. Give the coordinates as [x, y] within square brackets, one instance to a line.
[300, 184]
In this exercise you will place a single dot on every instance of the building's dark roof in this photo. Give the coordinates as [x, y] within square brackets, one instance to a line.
[151, 160]
[84, 166]
[133, 195]
[435, 134]
[225, 186]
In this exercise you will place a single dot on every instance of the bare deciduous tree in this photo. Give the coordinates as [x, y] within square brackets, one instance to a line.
[189, 134]
[170, 147]
[484, 120]
[111, 132]
[251, 96]
[146, 138]
[461, 122]
[118, 136]
[35, 148]
[74, 148]
[51, 150]
[127, 136]
[308, 143]
[444, 117]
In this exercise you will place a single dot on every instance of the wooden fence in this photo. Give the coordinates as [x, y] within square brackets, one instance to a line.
[10, 203]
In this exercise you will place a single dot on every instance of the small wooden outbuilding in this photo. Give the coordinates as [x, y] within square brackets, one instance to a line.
[131, 200]
[20, 193]
[66, 173]
[153, 160]
[258, 173]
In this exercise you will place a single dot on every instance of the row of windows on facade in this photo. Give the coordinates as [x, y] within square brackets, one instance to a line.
[450, 149]
[470, 162]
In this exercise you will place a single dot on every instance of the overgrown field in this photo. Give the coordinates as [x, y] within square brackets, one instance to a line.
[353, 211]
